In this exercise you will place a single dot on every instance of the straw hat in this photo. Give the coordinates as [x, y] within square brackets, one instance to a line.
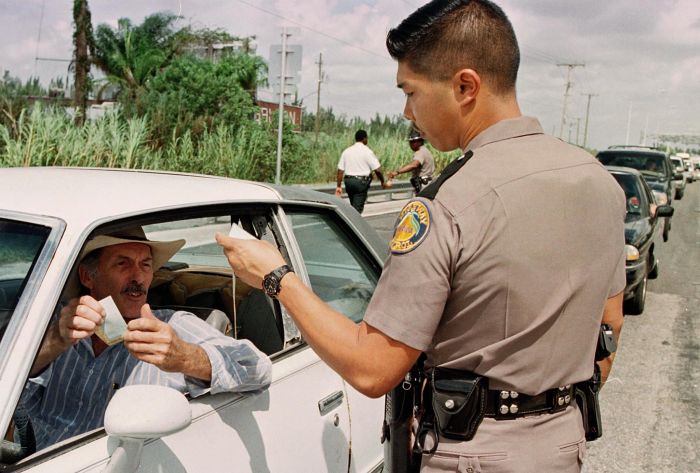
[161, 251]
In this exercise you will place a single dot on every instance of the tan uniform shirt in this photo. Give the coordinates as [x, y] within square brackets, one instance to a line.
[507, 271]
[427, 163]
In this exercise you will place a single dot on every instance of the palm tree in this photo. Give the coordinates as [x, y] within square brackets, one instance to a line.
[83, 40]
[131, 55]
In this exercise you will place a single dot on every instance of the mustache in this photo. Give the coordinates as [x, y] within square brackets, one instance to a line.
[135, 288]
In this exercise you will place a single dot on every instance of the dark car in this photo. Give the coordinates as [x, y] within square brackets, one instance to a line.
[655, 167]
[641, 229]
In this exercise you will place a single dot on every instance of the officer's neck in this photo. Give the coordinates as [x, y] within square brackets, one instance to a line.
[486, 111]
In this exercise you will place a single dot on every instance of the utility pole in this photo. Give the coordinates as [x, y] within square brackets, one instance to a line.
[317, 123]
[578, 129]
[629, 122]
[570, 67]
[280, 111]
[585, 127]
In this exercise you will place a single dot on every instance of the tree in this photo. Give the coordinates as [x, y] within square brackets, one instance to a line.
[197, 94]
[83, 40]
[131, 55]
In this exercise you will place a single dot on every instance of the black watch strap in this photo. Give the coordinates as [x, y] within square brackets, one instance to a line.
[272, 281]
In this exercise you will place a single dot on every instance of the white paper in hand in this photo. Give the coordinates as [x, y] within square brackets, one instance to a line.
[112, 329]
[238, 232]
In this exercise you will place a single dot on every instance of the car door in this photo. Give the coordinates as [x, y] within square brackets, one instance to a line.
[343, 273]
[300, 423]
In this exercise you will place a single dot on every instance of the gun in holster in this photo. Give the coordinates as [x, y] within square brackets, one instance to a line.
[586, 392]
[400, 408]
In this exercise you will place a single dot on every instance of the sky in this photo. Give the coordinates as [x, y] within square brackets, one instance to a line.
[642, 57]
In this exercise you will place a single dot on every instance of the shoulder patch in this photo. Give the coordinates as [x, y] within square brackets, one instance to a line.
[411, 229]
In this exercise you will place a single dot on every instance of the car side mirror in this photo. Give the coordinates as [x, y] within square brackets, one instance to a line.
[677, 176]
[664, 211]
[140, 412]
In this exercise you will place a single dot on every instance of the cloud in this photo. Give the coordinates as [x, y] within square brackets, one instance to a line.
[639, 54]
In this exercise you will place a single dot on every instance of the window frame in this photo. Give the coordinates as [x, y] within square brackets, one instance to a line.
[363, 246]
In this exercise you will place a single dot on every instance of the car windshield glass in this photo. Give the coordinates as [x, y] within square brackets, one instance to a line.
[645, 163]
[20, 245]
[633, 194]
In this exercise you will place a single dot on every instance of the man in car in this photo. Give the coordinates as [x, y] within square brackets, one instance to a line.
[76, 373]
[515, 255]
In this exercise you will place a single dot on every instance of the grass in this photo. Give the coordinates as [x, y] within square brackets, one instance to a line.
[48, 137]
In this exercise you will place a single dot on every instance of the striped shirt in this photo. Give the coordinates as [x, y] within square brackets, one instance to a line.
[70, 397]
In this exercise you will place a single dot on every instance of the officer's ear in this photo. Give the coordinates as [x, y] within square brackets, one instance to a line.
[466, 84]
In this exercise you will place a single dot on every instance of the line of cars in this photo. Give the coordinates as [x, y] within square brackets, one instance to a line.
[650, 179]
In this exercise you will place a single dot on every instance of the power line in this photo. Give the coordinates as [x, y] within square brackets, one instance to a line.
[347, 43]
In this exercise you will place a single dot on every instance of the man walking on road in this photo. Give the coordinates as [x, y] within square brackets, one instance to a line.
[355, 168]
[516, 254]
[423, 165]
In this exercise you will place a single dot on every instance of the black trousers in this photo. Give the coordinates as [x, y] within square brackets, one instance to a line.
[356, 188]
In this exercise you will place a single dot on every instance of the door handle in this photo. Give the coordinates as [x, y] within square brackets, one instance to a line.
[329, 403]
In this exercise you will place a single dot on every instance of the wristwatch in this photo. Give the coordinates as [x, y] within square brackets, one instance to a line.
[272, 282]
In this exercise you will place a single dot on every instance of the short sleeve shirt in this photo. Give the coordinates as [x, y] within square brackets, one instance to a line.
[427, 163]
[522, 248]
[358, 160]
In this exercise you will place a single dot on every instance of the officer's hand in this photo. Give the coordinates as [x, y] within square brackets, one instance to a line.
[338, 191]
[251, 260]
[79, 320]
[392, 174]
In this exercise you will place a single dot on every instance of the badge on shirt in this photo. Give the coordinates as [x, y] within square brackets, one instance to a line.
[412, 228]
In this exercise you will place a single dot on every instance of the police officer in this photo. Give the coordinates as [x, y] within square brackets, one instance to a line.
[422, 166]
[516, 255]
[355, 168]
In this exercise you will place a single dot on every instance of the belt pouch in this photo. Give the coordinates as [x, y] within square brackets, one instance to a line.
[459, 402]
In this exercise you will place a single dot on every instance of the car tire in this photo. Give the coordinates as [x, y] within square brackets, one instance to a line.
[654, 273]
[667, 228]
[635, 305]
[679, 194]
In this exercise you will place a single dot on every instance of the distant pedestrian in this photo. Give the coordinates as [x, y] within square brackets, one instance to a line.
[422, 166]
[355, 168]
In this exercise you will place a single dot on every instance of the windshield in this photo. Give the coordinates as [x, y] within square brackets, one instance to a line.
[650, 164]
[20, 245]
[633, 194]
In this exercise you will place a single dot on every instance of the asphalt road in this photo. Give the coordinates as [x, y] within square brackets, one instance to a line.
[651, 405]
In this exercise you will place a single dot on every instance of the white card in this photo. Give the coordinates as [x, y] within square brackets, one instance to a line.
[112, 329]
[238, 232]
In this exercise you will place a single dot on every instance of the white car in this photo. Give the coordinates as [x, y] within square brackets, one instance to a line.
[308, 420]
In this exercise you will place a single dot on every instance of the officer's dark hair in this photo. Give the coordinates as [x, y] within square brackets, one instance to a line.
[444, 36]
[360, 135]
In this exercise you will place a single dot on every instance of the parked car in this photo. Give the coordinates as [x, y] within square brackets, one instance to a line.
[654, 165]
[302, 422]
[641, 231]
[681, 176]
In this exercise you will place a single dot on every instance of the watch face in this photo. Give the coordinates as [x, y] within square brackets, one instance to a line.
[271, 285]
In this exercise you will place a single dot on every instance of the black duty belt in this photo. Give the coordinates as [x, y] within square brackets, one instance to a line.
[362, 178]
[511, 404]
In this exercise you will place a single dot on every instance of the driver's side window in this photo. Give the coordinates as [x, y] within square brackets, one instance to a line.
[340, 273]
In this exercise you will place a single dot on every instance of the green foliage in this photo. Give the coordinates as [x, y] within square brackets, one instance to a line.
[47, 137]
[195, 95]
[132, 54]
